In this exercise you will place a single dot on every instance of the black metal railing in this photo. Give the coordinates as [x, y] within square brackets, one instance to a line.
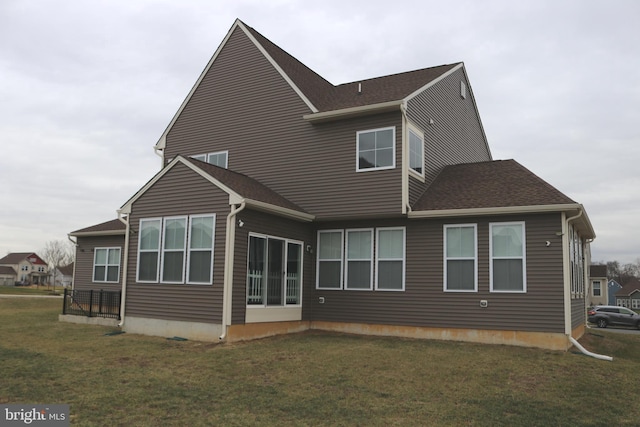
[92, 303]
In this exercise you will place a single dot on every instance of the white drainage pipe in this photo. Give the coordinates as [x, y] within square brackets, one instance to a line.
[587, 352]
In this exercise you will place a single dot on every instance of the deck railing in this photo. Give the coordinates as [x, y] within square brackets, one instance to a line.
[92, 303]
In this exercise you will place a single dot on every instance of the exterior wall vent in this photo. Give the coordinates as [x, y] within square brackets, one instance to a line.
[463, 89]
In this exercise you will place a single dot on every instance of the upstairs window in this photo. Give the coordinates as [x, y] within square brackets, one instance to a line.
[218, 159]
[376, 149]
[416, 152]
[106, 265]
[508, 264]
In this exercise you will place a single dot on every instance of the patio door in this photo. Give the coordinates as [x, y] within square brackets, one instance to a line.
[274, 270]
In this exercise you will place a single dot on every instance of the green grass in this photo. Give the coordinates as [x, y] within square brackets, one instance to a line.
[310, 379]
[30, 290]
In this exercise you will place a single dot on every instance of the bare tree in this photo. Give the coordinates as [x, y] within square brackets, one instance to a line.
[57, 253]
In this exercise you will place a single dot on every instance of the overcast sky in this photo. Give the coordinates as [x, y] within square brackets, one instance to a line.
[88, 87]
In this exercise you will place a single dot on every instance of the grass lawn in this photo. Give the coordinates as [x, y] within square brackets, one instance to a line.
[30, 290]
[309, 379]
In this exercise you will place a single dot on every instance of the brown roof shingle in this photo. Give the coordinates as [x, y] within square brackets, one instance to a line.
[245, 186]
[114, 225]
[18, 257]
[501, 183]
[327, 97]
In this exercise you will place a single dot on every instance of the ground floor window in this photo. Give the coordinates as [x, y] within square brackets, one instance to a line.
[274, 271]
[176, 249]
[507, 251]
[350, 264]
[106, 265]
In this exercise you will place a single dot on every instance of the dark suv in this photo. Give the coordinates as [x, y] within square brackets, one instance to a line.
[604, 315]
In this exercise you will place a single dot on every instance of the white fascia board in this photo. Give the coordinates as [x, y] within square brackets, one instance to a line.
[277, 67]
[354, 111]
[495, 211]
[279, 210]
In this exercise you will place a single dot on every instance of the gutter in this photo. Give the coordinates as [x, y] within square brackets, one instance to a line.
[228, 268]
[125, 267]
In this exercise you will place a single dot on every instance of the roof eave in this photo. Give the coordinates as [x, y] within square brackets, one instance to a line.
[97, 233]
[572, 209]
[345, 113]
[279, 210]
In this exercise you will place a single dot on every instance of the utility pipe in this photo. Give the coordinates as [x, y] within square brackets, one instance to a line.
[587, 352]
[227, 286]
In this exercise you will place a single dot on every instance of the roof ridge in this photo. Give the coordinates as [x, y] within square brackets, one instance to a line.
[370, 79]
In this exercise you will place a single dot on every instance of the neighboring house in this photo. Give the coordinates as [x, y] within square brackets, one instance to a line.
[63, 276]
[598, 289]
[285, 203]
[7, 276]
[28, 267]
[612, 288]
[629, 295]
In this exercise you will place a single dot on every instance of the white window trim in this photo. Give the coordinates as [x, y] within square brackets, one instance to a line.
[403, 259]
[184, 248]
[524, 257]
[318, 260]
[187, 266]
[157, 251]
[393, 156]
[107, 265]
[474, 258]
[286, 254]
[414, 129]
[347, 259]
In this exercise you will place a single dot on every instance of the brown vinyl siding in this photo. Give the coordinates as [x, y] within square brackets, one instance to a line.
[274, 226]
[180, 191]
[578, 312]
[244, 106]
[83, 276]
[424, 303]
[456, 134]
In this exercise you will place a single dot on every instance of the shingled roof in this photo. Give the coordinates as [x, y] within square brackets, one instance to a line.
[18, 257]
[629, 288]
[495, 184]
[112, 227]
[245, 186]
[327, 97]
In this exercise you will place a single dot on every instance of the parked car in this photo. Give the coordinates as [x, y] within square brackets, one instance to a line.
[605, 315]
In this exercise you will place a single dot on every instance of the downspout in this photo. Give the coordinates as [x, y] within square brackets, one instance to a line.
[125, 267]
[75, 255]
[405, 153]
[227, 287]
[567, 293]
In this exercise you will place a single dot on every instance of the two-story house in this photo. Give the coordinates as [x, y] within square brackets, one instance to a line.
[27, 267]
[598, 292]
[286, 203]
